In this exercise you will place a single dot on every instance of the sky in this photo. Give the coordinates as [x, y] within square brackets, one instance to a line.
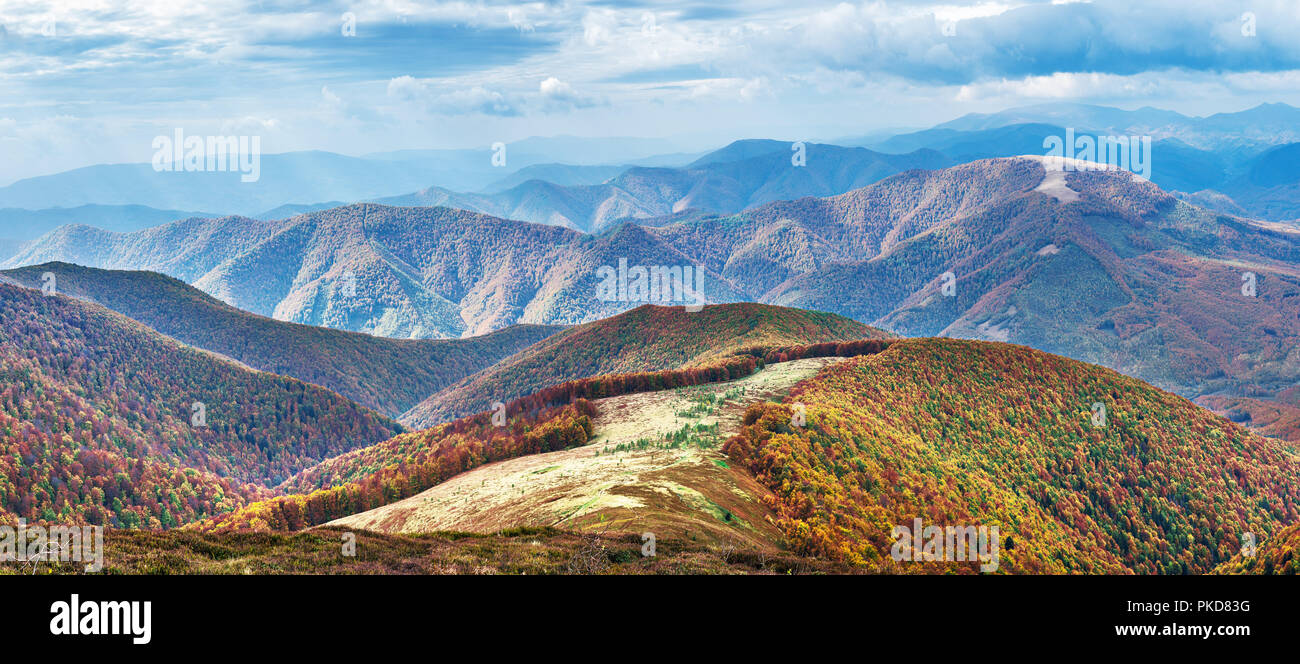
[85, 81]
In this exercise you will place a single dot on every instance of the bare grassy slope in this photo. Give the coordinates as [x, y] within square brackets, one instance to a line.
[633, 477]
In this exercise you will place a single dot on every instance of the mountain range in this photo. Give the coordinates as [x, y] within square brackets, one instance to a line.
[1239, 163]
[312, 176]
[1102, 266]
[1262, 125]
[740, 176]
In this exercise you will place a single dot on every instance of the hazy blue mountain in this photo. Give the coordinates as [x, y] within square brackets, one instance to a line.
[969, 145]
[1068, 115]
[1276, 166]
[670, 160]
[284, 178]
[1263, 125]
[567, 175]
[294, 209]
[743, 149]
[568, 150]
[739, 176]
[304, 178]
[19, 226]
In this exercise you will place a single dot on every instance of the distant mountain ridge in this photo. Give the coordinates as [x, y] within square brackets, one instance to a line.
[294, 182]
[1262, 125]
[19, 226]
[307, 177]
[388, 375]
[1257, 176]
[740, 176]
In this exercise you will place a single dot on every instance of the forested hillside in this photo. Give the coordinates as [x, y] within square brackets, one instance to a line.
[1083, 470]
[1280, 554]
[649, 338]
[388, 375]
[105, 421]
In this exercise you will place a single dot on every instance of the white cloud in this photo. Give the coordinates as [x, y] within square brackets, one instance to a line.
[547, 67]
[558, 95]
[428, 95]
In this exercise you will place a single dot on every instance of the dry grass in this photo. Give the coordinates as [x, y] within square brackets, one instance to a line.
[687, 491]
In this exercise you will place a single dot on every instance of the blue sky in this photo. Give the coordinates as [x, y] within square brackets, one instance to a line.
[86, 82]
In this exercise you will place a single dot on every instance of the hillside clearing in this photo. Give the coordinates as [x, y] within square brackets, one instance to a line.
[653, 466]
